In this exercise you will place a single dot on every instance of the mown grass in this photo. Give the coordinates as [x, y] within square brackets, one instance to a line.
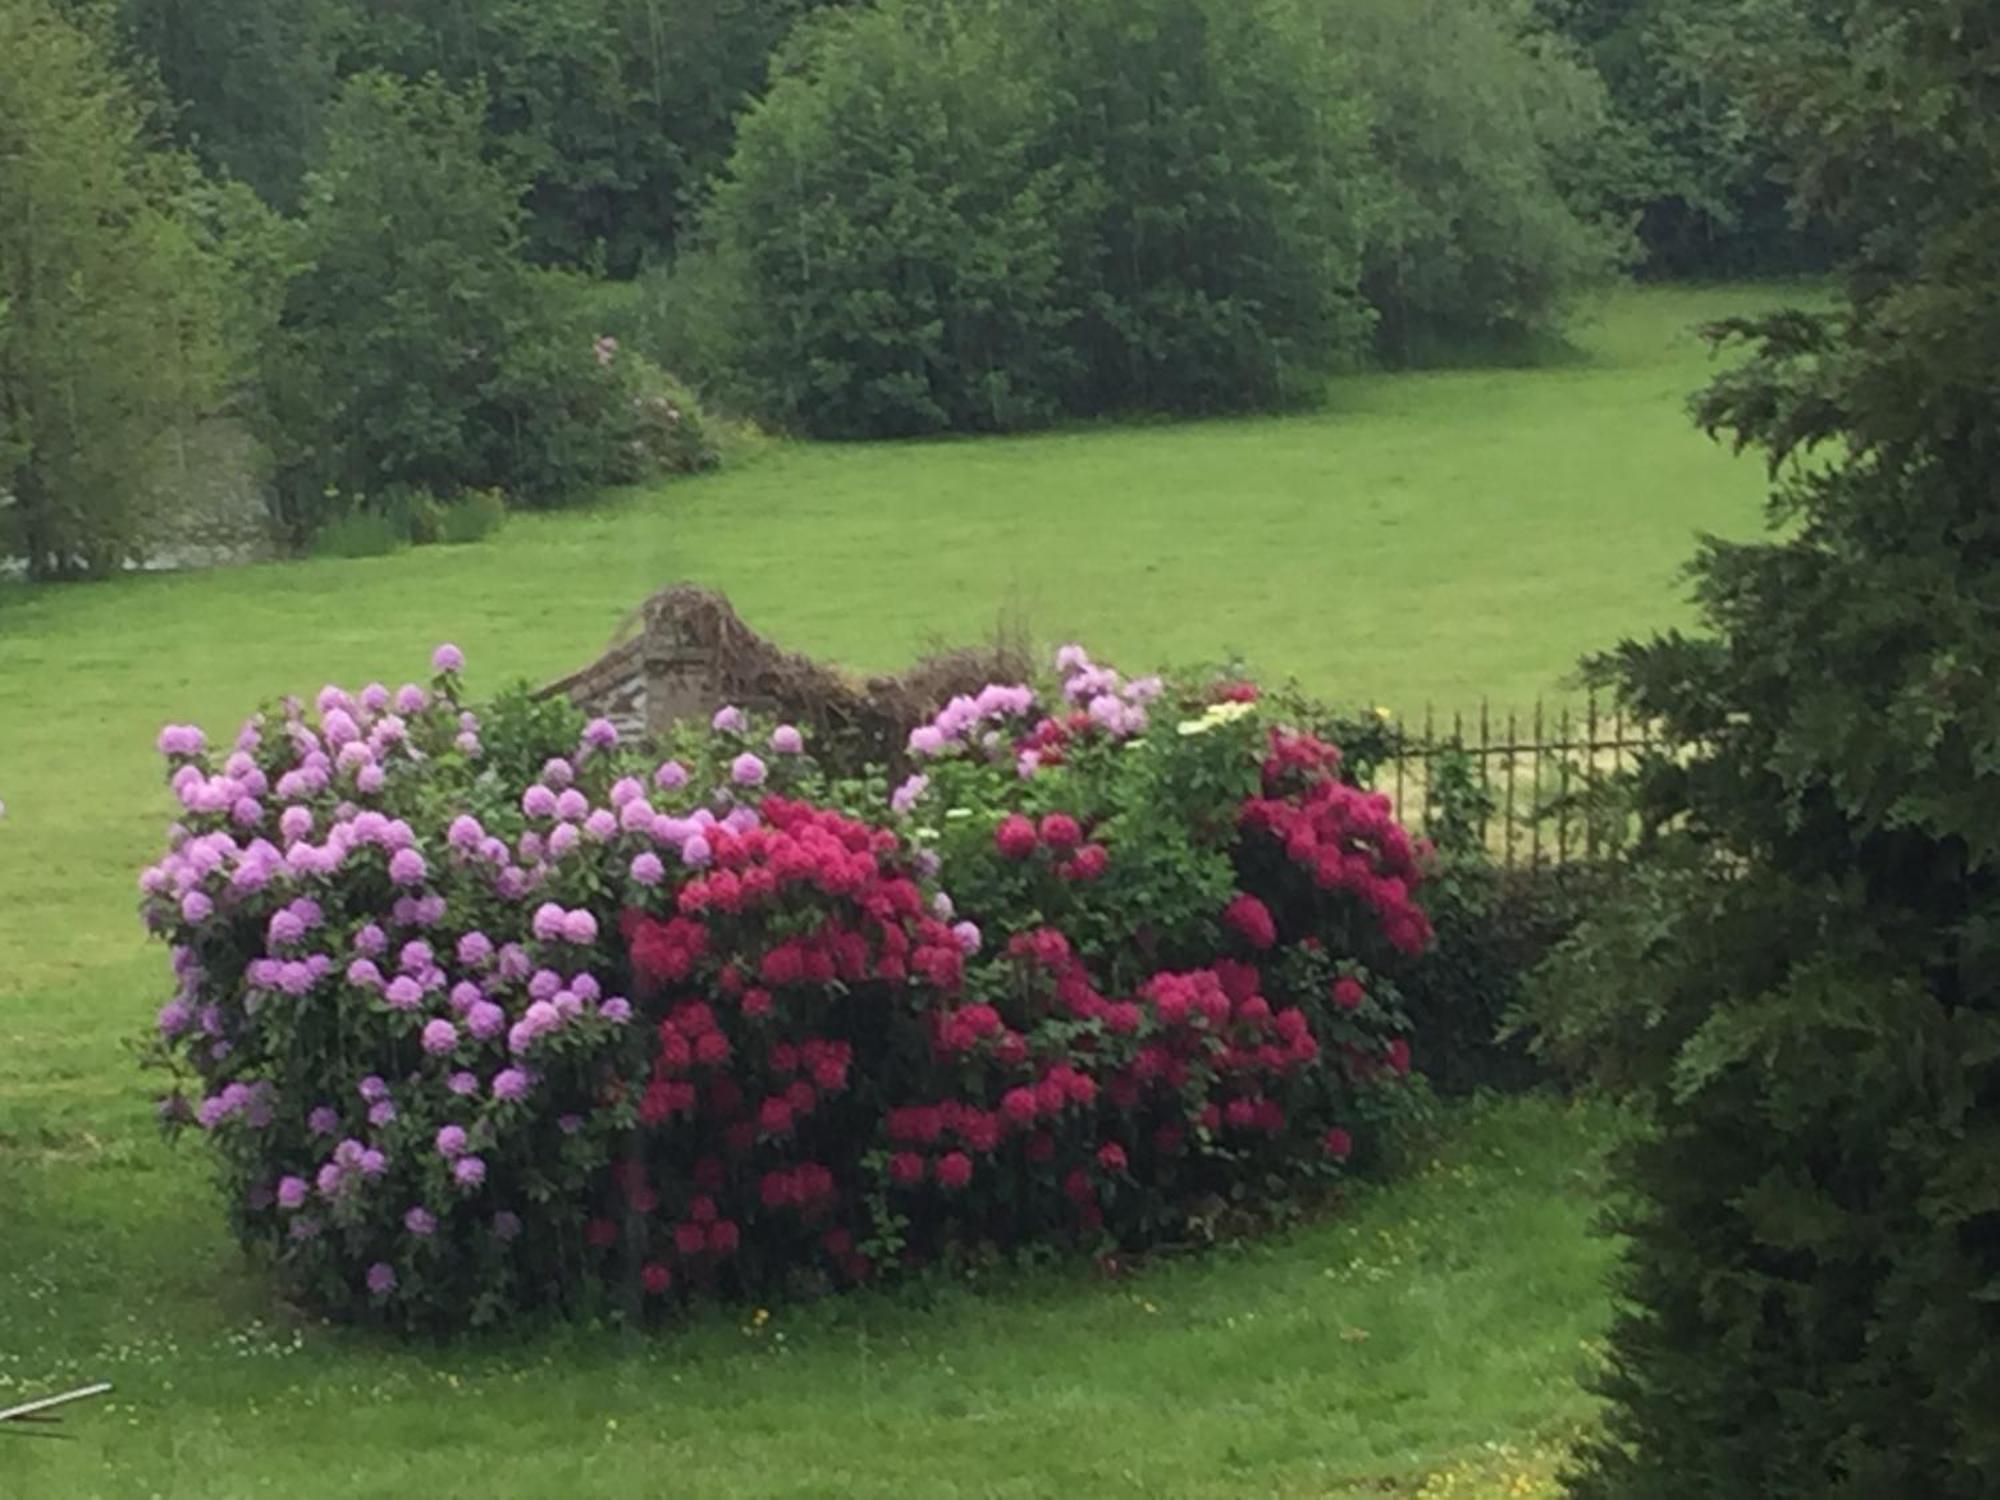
[1428, 536]
[1362, 1355]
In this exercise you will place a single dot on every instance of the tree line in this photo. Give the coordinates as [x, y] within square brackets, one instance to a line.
[373, 233]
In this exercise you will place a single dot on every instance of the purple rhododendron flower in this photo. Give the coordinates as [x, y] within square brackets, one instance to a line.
[485, 1019]
[572, 806]
[323, 1120]
[182, 739]
[600, 734]
[968, 937]
[463, 1083]
[451, 1141]
[927, 739]
[786, 740]
[407, 867]
[601, 825]
[580, 927]
[381, 1278]
[647, 869]
[695, 852]
[671, 774]
[510, 1083]
[465, 832]
[617, 1010]
[729, 720]
[420, 1221]
[475, 949]
[547, 923]
[468, 1171]
[906, 796]
[411, 699]
[404, 993]
[506, 1225]
[440, 1036]
[448, 658]
[538, 802]
[292, 1191]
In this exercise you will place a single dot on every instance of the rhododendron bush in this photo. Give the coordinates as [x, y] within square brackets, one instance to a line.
[484, 1009]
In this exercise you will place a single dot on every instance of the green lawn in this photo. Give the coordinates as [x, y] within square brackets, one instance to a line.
[1431, 536]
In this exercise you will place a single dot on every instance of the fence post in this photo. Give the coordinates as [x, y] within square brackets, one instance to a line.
[1485, 774]
[1535, 795]
[1590, 782]
[1562, 790]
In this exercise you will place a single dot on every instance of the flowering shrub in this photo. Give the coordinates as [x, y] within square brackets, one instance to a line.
[482, 1010]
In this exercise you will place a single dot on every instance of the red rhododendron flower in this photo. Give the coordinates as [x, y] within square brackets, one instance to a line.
[1251, 920]
[690, 1239]
[1089, 862]
[1339, 1144]
[1399, 1055]
[724, 1237]
[1347, 993]
[954, 1169]
[1060, 832]
[711, 1049]
[1015, 837]
[655, 1278]
[774, 1116]
[1020, 1105]
[981, 1132]
[600, 1233]
[906, 1168]
[1111, 1156]
[1077, 1188]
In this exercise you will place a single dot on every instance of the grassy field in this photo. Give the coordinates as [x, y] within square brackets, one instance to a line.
[1428, 536]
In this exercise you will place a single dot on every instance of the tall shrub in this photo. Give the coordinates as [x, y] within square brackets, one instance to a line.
[417, 353]
[1815, 1215]
[983, 215]
[112, 345]
[890, 240]
[1497, 157]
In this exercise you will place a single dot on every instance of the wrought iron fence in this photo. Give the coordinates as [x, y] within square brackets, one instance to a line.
[1540, 787]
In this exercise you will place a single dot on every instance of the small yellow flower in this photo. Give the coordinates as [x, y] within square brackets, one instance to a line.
[1383, 714]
